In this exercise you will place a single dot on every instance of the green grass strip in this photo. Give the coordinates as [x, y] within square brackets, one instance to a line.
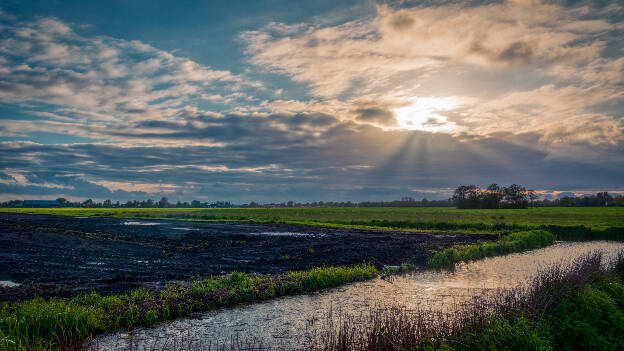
[41, 324]
[514, 242]
[587, 223]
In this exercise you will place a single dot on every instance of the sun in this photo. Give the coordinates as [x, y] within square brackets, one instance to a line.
[423, 114]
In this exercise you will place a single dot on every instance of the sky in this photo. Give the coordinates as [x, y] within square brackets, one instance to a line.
[272, 101]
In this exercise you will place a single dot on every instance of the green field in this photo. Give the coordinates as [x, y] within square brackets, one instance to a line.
[443, 219]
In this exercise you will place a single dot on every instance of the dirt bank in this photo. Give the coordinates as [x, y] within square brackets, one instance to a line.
[62, 256]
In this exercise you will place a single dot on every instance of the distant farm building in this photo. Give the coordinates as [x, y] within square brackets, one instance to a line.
[41, 203]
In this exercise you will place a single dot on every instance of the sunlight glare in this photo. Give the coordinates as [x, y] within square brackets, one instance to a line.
[422, 114]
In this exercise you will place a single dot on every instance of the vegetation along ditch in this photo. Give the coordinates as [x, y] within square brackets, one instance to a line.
[577, 307]
[55, 323]
[303, 322]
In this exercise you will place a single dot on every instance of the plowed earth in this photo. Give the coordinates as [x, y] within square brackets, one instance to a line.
[63, 256]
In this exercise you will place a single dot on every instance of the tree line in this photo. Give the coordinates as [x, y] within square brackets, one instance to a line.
[517, 196]
[494, 196]
[464, 196]
[149, 203]
[600, 199]
[405, 202]
[164, 203]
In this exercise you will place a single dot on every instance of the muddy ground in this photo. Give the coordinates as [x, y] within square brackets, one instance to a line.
[63, 256]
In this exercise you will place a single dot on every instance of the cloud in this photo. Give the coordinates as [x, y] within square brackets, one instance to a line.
[518, 52]
[343, 162]
[375, 115]
[46, 61]
[559, 114]
[414, 41]
[411, 101]
[478, 52]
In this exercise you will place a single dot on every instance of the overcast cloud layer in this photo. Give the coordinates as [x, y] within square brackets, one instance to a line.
[400, 100]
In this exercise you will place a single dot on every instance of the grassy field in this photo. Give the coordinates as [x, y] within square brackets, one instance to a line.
[443, 219]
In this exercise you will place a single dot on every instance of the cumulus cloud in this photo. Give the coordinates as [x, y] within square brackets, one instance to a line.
[375, 114]
[554, 51]
[101, 78]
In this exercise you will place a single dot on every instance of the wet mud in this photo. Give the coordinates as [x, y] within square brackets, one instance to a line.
[63, 256]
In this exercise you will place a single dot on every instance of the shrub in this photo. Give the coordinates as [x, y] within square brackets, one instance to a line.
[592, 319]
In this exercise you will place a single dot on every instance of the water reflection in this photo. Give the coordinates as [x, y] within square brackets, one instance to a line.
[287, 322]
[295, 234]
[9, 284]
[140, 223]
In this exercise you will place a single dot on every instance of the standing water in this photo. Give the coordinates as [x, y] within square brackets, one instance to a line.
[287, 322]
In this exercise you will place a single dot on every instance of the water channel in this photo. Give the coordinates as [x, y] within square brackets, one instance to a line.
[286, 323]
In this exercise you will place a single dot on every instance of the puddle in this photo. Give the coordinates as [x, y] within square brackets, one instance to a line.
[296, 234]
[9, 284]
[140, 223]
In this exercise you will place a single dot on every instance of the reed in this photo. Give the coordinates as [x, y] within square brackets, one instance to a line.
[578, 307]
